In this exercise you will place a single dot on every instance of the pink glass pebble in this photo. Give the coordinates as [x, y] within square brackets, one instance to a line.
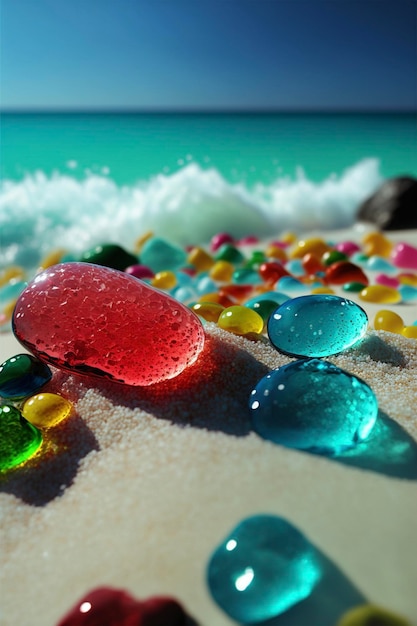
[405, 256]
[218, 240]
[347, 247]
[248, 241]
[92, 320]
[140, 271]
[387, 281]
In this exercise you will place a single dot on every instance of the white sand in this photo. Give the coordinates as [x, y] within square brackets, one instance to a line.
[143, 485]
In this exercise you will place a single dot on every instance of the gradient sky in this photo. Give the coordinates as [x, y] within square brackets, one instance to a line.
[234, 54]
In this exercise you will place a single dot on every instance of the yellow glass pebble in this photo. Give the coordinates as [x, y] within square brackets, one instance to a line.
[315, 245]
[275, 252]
[14, 272]
[410, 332]
[46, 409]
[377, 244]
[288, 238]
[371, 615]
[380, 294]
[408, 279]
[210, 297]
[328, 290]
[140, 241]
[164, 280]
[200, 259]
[209, 311]
[52, 258]
[388, 320]
[222, 271]
[240, 320]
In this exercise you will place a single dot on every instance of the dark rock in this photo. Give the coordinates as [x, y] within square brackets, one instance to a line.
[393, 206]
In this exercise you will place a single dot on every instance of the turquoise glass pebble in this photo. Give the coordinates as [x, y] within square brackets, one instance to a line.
[295, 267]
[408, 293]
[317, 325]
[313, 405]
[275, 296]
[161, 255]
[289, 283]
[262, 568]
[379, 264]
[19, 440]
[22, 375]
[246, 276]
[10, 292]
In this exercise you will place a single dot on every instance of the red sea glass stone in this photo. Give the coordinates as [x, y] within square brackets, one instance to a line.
[106, 606]
[97, 321]
[343, 272]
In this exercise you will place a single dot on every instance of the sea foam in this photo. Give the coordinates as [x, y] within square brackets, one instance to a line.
[41, 213]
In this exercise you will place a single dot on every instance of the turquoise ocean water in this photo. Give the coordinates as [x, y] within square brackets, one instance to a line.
[80, 178]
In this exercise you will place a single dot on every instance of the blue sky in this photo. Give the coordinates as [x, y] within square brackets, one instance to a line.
[209, 54]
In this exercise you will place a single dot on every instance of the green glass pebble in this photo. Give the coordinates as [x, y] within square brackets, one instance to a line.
[262, 568]
[333, 256]
[256, 259]
[353, 287]
[229, 253]
[246, 276]
[22, 375]
[264, 308]
[109, 255]
[19, 440]
[161, 255]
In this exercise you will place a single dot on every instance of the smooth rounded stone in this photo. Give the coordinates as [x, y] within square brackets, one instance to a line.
[22, 375]
[404, 256]
[109, 255]
[316, 325]
[345, 272]
[392, 206]
[19, 440]
[45, 410]
[371, 615]
[96, 321]
[240, 320]
[108, 606]
[262, 568]
[313, 405]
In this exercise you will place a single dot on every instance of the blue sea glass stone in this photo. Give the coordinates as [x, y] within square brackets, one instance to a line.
[161, 255]
[262, 568]
[22, 375]
[313, 405]
[316, 325]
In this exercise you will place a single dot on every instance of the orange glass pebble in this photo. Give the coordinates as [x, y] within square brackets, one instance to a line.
[209, 311]
[377, 244]
[380, 294]
[164, 280]
[45, 410]
[312, 263]
[240, 320]
[222, 271]
[410, 332]
[343, 272]
[315, 245]
[275, 252]
[388, 320]
[272, 271]
[200, 259]
[408, 278]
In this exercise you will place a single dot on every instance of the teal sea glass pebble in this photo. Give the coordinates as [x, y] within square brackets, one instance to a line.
[19, 440]
[313, 405]
[316, 325]
[22, 375]
[262, 568]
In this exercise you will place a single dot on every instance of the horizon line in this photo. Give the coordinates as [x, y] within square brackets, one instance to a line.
[204, 110]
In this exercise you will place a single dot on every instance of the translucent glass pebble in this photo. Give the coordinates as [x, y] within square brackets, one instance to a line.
[109, 255]
[45, 410]
[261, 569]
[313, 405]
[97, 321]
[404, 255]
[371, 615]
[380, 294]
[240, 320]
[22, 375]
[316, 325]
[19, 440]
[161, 255]
[389, 321]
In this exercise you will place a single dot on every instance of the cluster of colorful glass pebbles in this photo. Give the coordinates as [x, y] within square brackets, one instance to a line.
[237, 285]
[25, 412]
